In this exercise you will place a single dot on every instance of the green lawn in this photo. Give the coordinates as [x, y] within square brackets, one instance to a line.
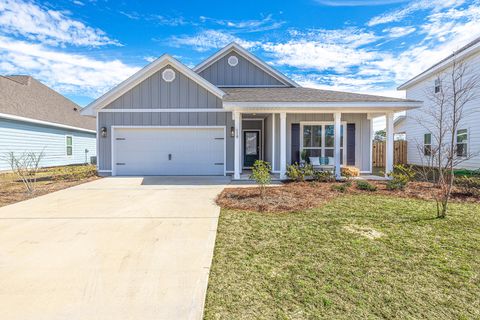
[308, 265]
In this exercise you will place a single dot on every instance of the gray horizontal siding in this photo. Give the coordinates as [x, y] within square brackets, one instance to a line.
[155, 93]
[244, 73]
[161, 119]
[20, 137]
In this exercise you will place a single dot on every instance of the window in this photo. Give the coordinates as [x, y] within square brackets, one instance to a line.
[69, 145]
[427, 144]
[319, 140]
[437, 85]
[462, 141]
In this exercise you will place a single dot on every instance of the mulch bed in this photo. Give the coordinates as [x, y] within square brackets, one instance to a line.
[14, 191]
[298, 196]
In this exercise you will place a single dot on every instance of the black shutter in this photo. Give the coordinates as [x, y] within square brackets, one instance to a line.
[351, 144]
[295, 142]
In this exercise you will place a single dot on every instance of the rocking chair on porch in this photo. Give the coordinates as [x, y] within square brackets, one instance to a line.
[322, 163]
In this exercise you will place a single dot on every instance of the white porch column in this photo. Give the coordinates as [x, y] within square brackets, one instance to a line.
[389, 143]
[237, 118]
[283, 144]
[337, 137]
[273, 141]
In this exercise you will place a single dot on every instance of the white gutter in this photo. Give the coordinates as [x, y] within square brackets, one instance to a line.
[312, 106]
[45, 123]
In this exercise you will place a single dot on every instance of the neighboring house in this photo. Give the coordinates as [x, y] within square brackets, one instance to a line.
[34, 117]
[399, 128]
[225, 113]
[417, 123]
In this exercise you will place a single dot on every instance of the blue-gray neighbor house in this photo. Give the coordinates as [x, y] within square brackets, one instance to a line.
[34, 117]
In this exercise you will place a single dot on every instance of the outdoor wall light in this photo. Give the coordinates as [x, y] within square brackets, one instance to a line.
[104, 132]
[232, 132]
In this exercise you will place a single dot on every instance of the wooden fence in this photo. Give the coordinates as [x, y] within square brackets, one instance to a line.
[399, 153]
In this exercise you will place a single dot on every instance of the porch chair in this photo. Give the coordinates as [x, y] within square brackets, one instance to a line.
[322, 163]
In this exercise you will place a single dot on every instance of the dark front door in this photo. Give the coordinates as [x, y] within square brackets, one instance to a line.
[251, 148]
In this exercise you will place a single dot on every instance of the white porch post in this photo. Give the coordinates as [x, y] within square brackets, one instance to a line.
[283, 144]
[237, 118]
[389, 143]
[337, 137]
[273, 141]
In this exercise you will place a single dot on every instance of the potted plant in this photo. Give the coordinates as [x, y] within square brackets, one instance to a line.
[303, 157]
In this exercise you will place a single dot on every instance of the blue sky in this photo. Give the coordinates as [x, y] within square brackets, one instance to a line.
[84, 47]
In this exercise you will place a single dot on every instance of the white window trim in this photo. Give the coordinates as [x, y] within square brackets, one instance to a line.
[324, 123]
[466, 142]
[425, 144]
[66, 146]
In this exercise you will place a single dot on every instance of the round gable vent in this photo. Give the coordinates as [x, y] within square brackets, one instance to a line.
[232, 61]
[168, 75]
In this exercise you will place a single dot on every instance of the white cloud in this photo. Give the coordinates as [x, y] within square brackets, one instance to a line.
[23, 18]
[150, 58]
[398, 32]
[210, 39]
[264, 24]
[69, 73]
[414, 6]
[322, 50]
[172, 21]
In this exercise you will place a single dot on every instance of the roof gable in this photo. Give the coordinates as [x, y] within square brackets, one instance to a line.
[144, 74]
[249, 72]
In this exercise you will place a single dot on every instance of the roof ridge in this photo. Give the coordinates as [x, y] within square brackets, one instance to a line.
[14, 78]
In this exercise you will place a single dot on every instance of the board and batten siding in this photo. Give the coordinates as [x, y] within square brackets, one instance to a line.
[155, 93]
[245, 73]
[362, 135]
[417, 120]
[178, 119]
[20, 137]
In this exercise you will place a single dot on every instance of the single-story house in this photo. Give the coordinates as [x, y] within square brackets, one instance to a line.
[228, 111]
[421, 125]
[34, 117]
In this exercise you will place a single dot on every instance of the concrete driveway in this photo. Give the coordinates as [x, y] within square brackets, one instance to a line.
[115, 248]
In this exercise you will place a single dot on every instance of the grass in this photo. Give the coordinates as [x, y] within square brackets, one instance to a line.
[319, 264]
[48, 180]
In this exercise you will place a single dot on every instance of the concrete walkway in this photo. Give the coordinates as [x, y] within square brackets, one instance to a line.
[115, 248]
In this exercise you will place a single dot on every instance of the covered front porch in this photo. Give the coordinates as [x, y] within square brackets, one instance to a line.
[286, 137]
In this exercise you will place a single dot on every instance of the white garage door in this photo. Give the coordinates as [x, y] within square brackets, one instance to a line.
[169, 151]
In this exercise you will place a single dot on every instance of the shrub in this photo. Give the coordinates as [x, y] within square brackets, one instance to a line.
[400, 177]
[323, 176]
[365, 185]
[469, 185]
[349, 172]
[466, 172]
[261, 174]
[340, 187]
[298, 172]
[77, 172]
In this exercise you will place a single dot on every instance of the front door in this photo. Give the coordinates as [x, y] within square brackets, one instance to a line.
[251, 147]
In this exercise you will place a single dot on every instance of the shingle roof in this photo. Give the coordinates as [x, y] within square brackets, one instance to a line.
[24, 96]
[300, 95]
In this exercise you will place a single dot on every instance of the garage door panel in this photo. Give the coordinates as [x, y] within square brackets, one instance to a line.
[169, 151]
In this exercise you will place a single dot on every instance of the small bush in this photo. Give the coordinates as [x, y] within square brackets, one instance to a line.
[340, 187]
[469, 185]
[298, 172]
[323, 176]
[466, 172]
[261, 174]
[400, 177]
[365, 185]
[349, 172]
